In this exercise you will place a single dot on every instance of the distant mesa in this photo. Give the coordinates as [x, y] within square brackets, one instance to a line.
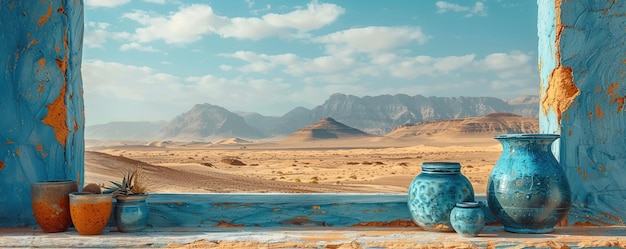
[232, 141]
[326, 128]
[494, 123]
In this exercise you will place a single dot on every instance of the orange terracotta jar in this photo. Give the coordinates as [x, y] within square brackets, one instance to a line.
[50, 202]
[90, 212]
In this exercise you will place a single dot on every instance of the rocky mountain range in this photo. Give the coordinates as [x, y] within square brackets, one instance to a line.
[491, 124]
[376, 115]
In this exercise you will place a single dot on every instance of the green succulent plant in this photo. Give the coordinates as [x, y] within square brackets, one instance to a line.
[134, 182]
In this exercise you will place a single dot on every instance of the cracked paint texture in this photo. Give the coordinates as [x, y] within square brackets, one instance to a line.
[582, 49]
[41, 132]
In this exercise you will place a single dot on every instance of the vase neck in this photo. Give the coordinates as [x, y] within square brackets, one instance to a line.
[441, 167]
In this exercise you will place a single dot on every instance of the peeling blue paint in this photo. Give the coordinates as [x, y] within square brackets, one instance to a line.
[39, 40]
[593, 43]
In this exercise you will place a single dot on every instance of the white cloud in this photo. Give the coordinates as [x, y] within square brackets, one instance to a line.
[190, 23]
[477, 9]
[138, 47]
[375, 38]
[250, 3]
[96, 34]
[126, 81]
[315, 16]
[499, 61]
[155, 1]
[290, 63]
[105, 3]
[185, 26]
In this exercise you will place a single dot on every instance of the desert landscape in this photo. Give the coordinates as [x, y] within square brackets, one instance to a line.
[324, 157]
[358, 165]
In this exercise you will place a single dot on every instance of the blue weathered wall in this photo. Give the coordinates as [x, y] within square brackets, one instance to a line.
[582, 62]
[41, 100]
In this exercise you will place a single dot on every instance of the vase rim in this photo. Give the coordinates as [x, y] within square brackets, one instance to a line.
[528, 136]
[441, 167]
[89, 194]
[134, 197]
[468, 204]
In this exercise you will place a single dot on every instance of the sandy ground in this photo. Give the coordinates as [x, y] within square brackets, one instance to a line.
[380, 165]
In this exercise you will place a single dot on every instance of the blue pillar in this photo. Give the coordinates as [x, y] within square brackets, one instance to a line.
[41, 100]
[582, 63]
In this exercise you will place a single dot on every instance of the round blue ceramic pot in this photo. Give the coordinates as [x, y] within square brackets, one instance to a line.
[527, 189]
[434, 192]
[467, 218]
[131, 213]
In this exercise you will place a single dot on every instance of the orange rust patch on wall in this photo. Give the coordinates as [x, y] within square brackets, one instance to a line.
[612, 217]
[584, 224]
[42, 62]
[561, 91]
[57, 116]
[599, 112]
[61, 10]
[42, 20]
[33, 42]
[613, 89]
[620, 103]
[1, 165]
[62, 64]
[227, 224]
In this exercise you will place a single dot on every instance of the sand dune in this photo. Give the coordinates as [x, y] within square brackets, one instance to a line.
[371, 164]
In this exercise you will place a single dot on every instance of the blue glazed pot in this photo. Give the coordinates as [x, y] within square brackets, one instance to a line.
[131, 213]
[434, 193]
[527, 189]
[467, 218]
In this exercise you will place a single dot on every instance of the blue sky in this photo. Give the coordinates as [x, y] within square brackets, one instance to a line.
[150, 60]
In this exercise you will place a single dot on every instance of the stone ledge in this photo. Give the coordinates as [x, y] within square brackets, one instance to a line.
[397, 237]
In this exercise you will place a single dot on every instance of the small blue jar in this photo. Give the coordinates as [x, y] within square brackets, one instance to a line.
[467, 218]
[131, 213]
[433, 194]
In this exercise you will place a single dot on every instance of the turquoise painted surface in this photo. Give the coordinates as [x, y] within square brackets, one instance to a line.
[41, 100]
[593, 44]
[275, 210]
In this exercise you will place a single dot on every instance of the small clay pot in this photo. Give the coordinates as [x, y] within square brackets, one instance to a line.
[90, 212]
[50, 202]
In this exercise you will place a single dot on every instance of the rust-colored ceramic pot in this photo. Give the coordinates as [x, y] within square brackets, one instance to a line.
[90, 212]
[50, 202]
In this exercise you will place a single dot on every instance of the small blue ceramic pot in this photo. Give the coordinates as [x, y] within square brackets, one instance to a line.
[467, 218]
[131, 213]
[434, 192]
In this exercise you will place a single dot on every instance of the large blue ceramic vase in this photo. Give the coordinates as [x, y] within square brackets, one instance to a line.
[434, 193]
[527, 189]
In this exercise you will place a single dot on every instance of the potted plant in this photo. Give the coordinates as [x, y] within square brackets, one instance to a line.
[131, 210]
